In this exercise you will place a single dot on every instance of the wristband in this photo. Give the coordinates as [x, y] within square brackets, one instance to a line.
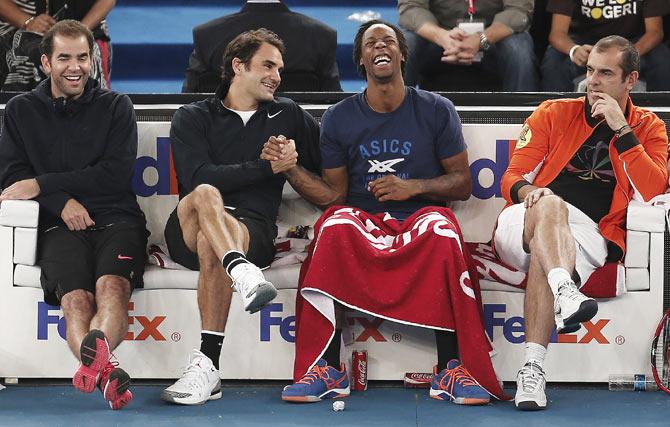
[619, 131]
[28, 21]
[572, 51]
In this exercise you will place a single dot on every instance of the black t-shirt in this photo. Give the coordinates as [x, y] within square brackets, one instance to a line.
[595, 19]
[587, 182]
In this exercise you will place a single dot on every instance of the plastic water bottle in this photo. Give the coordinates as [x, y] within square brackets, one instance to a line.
[632, 382]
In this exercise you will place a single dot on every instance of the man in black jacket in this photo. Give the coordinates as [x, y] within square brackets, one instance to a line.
[71, 146]
[224, 224]
[311, 48]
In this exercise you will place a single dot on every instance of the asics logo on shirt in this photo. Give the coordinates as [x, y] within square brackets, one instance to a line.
[274, 115]
[384, 165]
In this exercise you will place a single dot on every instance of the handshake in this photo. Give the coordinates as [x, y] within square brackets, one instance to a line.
[281, 154]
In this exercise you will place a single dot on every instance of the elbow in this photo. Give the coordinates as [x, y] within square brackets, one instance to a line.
[465, 188]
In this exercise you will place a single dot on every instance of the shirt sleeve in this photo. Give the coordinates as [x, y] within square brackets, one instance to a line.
[449, 138]
[333, 154]
[414, 13]
[112, 174]
[307, 141]
[517, 15]
[561, 7]
[194, 166]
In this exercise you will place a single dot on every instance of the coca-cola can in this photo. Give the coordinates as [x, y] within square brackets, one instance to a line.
[359, 370]
[417, 380]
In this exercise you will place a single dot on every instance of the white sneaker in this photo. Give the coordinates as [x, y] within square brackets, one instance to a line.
[249, 282]
[530, 385]
[199, 383]
[572, 307]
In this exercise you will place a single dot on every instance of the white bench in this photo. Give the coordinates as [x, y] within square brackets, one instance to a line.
[165, 322]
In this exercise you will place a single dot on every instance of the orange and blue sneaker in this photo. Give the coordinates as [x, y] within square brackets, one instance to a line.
[113, 384]
[321, 382]
[457, 385]
[94, 356]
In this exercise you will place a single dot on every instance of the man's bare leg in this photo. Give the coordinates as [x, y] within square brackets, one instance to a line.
[112, 295]
[79, 308]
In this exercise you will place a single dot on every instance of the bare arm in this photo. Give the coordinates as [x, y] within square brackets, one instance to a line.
[653, 35]
[97, 13]
[326, 191]
[455, 184]
[10, 12]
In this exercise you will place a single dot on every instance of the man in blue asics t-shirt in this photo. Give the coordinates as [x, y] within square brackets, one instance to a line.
[389, 149]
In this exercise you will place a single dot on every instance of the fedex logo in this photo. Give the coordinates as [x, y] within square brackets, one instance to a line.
[286, 324]
[503, 152]
[163, 165]
[45, 317]
[370, 329]
[513, 328]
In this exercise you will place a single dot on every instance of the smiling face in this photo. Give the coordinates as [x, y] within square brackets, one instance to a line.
[260, 77]
[69, 66]
[381, 54]
[604, 74]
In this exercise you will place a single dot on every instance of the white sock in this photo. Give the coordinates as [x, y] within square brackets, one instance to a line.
[557, 276]
[535, 353]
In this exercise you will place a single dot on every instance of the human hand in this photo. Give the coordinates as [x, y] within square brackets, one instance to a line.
[281, 153]
[468, 47]
[25, 189]
[40, 24]
[390, 187]
[449, 42]
[608, 108]
[76, 216]
[581, 55]
[535, 195]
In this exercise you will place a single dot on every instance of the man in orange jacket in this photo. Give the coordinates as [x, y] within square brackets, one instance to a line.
[576, 166]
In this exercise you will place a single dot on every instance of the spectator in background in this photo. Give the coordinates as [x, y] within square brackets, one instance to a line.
[310, 48]
[577, 24]
[435, 32]
[22, 23]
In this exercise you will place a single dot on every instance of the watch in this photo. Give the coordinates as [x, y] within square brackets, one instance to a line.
[484, 44]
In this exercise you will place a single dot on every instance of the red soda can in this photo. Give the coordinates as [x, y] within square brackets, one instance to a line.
[359, 370]
[417, 380]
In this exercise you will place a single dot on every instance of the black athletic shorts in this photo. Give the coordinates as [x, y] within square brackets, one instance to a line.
[261, 240]
[73, 260]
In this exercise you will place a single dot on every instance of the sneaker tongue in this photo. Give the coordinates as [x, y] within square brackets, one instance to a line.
[321, 363]
[453, 363]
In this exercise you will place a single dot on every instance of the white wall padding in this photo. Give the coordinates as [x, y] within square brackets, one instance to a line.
[27, 276]
[25, 246]
[637, 279]
[637, 249]
[642, 217]
[19, 213]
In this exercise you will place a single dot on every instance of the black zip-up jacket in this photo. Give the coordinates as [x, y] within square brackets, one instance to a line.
[211, 145]
[83, 149]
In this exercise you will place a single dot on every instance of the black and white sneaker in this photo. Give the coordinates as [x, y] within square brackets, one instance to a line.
[199, 383]
[572, 307]
[530, 385]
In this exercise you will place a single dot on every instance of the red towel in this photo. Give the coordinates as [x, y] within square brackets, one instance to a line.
[416, 272]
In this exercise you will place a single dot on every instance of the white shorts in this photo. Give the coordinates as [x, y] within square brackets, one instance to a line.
[591, 246]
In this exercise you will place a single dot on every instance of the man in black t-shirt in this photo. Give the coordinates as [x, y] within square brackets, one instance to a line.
[577, 24]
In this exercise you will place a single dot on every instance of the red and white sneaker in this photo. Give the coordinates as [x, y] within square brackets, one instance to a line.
[94, 356]
[113, 385]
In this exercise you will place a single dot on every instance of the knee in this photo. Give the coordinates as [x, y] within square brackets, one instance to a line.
[111, 288]
[204, 194]
[551, 208]
[517, 48]
[78, 300]
[206, 255]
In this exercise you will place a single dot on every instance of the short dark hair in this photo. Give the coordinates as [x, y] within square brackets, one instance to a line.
[244, 47]
[68, 28]
[630, 57]
[358, 44]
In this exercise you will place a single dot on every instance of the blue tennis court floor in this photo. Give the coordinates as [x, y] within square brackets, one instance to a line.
[381, 405]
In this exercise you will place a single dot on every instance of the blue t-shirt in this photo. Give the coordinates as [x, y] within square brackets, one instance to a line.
[408, 142]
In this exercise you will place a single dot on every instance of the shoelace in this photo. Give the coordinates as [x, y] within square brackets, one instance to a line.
[194, 375]
[531, 377]
[314, 374]
[462, 376]
[244, 286]
[570, 291]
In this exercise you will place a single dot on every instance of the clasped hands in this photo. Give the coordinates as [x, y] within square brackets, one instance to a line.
[459, 46]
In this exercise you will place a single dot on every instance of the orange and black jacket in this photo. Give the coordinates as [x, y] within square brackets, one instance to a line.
[554, 132]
